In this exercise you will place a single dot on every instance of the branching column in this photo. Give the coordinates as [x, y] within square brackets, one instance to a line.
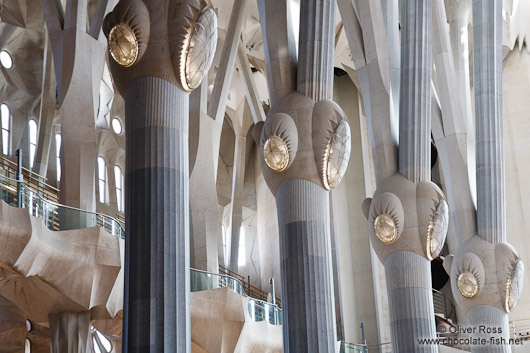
[408, 214]
[305, 148]
[486, 272]
[156, 90]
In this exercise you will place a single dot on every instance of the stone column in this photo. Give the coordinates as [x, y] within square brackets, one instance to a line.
[305, 148]
[70, 332]
[487, 73]
[415, 90]
[157, 214]
[491, 227]
[156, 91]
[492, 268]
[408, 214]
[409, 283]
[307, 277]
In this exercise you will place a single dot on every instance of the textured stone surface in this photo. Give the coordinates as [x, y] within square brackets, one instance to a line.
[410, 301]
[70, 332]
[415, 93]
[315, 54]
[489, 317]
[487, 73]
[221, 323]
[307, 282]
[156, 310]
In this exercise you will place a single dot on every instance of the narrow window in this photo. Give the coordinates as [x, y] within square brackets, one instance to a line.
[118, 176]
[32, 142]
[6, 128]
[225, 248]
[242, 256]
[116, 126]
[102, 180]
[58, 155]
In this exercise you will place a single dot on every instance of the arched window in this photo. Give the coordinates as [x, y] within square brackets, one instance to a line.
[118, 177]
[32, 142]
[58, 155]
[242, 256]
[102, 180]
[6, 128]
[27, 346]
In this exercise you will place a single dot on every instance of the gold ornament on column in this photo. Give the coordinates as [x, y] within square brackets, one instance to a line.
[199, 50]
[385, 229]
[276, 153]
[467, 284]
[123, 45]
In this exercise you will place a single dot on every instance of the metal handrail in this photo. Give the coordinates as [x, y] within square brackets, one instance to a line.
[56, 204]
[239, 281]
[255, 290]
[347, 347]
[520, 329]
[259, 310]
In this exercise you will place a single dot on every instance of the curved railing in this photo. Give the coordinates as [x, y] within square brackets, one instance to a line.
[258, 310]
[55, 215]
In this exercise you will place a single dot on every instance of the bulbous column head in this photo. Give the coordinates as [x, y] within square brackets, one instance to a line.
[407, 216]
[483, 273]
[173, 40]
[304, 139]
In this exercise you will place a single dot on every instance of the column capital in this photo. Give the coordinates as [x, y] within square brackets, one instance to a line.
[171, 40]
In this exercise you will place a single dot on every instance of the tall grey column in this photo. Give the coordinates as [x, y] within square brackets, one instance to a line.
[409, 283]
[487, 79]
[300, 142]
[70, 332]
[156, 307]
[317, 43]
[487, 73]
[307, 278]
[157, 210]
[410, 301]
[415, 102]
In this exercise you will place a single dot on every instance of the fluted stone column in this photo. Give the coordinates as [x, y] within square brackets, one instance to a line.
[317, 44]
[310, 133]
[307, 278]
[486, 258]
[70, 332]
[487, 73]
[156, 86]
[408, 214]
[410, 301]
[491, 227]
[415, 92]
[157, 211]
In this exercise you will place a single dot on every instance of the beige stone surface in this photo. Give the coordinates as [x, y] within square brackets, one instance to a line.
[220, 323]
[44, 271]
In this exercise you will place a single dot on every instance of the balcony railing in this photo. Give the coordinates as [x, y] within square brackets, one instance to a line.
[253, 291]
[520, 329]
[37, 182]
[54, 215]
[258, 310]
[346, 347]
